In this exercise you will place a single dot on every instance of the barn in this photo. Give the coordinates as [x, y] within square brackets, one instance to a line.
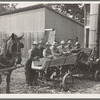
[39, 22]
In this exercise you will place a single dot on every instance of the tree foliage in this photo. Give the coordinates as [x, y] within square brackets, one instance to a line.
[74, 11]
[7, 7]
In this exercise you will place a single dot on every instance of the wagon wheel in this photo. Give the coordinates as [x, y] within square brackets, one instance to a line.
[97, 75]
[67, 81]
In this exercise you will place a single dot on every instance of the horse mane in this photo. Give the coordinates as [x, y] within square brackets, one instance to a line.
[8, 41]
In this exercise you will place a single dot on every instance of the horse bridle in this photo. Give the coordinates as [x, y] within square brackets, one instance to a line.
[18, 47]
[13, 55]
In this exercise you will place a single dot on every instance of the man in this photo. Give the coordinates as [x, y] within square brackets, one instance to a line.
[30, 74]
[47, 54]
[77, 45]
[69, 46]
[77, 48]
[62, 48]
[41, 48]
[47, 51]
[55, 51]
[1, 50]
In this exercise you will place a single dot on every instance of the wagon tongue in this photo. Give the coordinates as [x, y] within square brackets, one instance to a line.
[78, 75]
[81, 75]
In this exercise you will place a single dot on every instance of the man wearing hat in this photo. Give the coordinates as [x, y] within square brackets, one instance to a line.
[62, 48]
[41, 48]
[77, 45]
[30, 74]
[69, 46]
[77, 48]
[47, 51]
[54, 50]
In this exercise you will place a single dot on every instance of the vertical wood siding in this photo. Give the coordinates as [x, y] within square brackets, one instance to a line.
[30, 23]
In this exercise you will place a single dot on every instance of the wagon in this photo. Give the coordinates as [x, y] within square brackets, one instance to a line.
[56, 70]
[64, 69]
[87, 64]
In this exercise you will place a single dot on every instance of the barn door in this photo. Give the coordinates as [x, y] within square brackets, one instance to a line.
[51, 36]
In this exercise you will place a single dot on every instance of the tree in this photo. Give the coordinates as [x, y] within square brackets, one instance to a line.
[7, 7]
[74, 11]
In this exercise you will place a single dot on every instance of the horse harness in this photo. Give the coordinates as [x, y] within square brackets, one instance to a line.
[9, 49]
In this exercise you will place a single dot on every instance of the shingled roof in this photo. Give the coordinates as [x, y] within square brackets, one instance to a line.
[38, 6]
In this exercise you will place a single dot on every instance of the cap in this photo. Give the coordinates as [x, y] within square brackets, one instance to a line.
[77, 43]
[54, 43]
[40, 42]
[69, 42]
[47, 44]
[62, 42]
[35, 42]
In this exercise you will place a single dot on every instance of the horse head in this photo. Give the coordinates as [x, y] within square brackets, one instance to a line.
[13, 47]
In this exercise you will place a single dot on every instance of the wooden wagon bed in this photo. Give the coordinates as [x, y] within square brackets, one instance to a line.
[46, 63]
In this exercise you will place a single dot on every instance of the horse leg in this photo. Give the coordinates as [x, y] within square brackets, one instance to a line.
[8, 82]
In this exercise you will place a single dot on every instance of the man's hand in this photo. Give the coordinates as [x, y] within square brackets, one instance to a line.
[36, 58]
[50, 56]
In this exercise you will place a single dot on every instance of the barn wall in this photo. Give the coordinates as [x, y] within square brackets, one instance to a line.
[65, 28]
[30, 23]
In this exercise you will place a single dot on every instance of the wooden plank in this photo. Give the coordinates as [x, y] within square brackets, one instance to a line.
[70, 60]
[57, 62]
[41, 68]
[41, 61]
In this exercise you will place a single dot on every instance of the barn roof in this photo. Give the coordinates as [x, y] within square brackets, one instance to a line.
[37, 7]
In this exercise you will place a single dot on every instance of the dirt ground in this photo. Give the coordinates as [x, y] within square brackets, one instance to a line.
[17, 86]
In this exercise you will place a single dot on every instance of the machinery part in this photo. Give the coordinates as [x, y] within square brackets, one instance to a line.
[67, 81]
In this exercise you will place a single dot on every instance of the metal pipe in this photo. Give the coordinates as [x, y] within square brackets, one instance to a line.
[98, 32]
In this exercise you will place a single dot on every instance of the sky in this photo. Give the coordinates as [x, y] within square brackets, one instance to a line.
[21, 5]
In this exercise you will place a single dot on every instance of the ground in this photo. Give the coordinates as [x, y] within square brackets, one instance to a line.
[17, 86]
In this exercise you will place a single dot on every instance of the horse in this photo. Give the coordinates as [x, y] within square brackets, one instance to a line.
[11, 56]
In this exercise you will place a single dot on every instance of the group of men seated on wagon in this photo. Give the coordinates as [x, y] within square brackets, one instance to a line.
[48, 51]
[54, 50]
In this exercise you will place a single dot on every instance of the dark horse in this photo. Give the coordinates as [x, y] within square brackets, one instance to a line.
[11, 56]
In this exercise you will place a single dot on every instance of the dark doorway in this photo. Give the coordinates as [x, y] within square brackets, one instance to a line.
[87, 37]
